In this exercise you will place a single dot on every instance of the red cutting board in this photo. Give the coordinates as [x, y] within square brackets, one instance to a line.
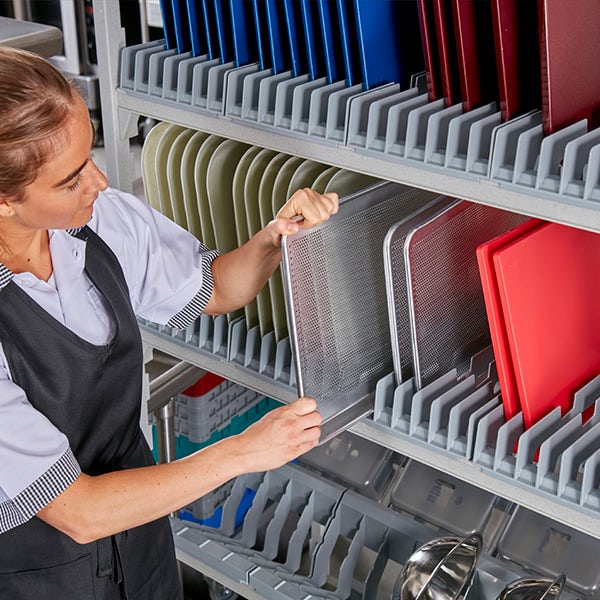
[474, 40]
[516, 41]
[493, 307]
[570, 60]
[448, 61]
[549, 288]
[430, 49]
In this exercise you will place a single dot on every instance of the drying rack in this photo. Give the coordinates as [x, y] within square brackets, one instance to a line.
[392, 135]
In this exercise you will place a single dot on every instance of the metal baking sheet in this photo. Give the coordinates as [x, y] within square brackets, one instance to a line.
[448, 321]
[396, 286]
[336, 301]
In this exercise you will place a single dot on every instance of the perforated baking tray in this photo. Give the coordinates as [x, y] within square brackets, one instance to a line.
[335, 295]
[446, 307]
[396, 286]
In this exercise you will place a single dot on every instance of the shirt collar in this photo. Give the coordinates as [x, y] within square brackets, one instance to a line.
[6, 274]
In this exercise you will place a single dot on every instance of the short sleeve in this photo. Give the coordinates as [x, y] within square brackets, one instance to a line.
[168, 270]
[36, 462]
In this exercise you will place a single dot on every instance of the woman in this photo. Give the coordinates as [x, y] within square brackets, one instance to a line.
[82, 505]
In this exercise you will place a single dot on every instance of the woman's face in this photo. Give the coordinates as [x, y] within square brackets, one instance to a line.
[63, 194]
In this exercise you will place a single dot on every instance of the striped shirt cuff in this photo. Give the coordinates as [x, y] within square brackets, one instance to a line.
[42, 491]
[194, 308]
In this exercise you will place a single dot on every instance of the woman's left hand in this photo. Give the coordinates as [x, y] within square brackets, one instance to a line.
[306, 208]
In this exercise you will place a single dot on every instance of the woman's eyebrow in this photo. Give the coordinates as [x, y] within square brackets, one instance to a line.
[71, 175]
[79, 169]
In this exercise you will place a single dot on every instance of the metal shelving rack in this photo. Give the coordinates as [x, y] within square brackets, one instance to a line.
[121, 110]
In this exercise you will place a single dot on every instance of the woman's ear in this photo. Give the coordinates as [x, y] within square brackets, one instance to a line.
[6, 206]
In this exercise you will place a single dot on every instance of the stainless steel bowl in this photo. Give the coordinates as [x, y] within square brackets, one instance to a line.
[533, 589]
[439, 570]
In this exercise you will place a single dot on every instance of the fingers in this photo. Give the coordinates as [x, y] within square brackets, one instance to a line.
[312, 207]
[303, 406]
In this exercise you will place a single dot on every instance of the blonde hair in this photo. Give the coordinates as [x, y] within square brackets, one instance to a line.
[36, 101]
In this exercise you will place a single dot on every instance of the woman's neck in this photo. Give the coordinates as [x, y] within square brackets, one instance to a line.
[26, 252]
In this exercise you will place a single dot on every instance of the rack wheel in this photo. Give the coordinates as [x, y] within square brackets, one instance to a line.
[218, 591]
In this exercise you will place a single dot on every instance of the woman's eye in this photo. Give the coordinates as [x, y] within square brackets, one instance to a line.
[75, 185]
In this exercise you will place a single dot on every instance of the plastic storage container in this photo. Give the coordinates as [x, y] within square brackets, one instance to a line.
[549, 548]
[441, 499]
[357, 463]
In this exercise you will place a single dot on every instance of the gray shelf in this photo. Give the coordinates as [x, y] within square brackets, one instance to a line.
[485, 191]
[219, 366]
[121, 109]
[580, 518]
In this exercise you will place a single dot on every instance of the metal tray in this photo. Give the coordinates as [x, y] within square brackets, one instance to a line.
[335, 294]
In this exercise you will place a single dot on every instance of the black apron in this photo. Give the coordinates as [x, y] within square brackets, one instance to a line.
[92, 394]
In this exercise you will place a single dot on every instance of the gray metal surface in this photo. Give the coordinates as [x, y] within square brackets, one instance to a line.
[35, 37]
[448, 320]
[396, 285]
[336, 300]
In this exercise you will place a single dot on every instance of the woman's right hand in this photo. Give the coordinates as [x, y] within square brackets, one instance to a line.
[281, 435]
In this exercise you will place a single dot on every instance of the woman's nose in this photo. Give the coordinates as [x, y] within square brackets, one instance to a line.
[97, 177]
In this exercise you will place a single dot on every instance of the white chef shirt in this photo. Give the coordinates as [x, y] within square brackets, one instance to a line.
[168, 273]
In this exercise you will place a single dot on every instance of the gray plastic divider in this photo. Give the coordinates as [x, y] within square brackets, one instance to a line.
[379, 112]
[440, 410]
[185, 78]
[231, 341]
[552, 152]
[338, 112]
[234, 88]
[215, 89]
[200, 79]
[527, 155]
[386, 122]
[301, 104]
[250, 93]
[559, 456]
[459, 134]
[422, 400]
[479, 148]
[156, 68]
[591, 189]
[267, 94]
[284, 100]
[318, 110]
[142, 67]
[504, 145]
[171, 75]
[437, 134]
[461, 417]
[342, 545]
[577, 152]
[129, 65]
[359, 110]
[416, 128]
[590, 482]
